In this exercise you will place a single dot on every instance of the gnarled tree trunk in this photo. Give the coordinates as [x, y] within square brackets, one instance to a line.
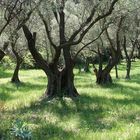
[60, 81]
[103, 75]
[15, 77]
[61, 84]
[103, 78]
[19, 60]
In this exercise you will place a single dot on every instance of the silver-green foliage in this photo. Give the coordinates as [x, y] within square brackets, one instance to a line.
[20, 130]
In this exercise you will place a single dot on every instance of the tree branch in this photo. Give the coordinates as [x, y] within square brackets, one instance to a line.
[71, 42]
[89, 43]
[47, 30]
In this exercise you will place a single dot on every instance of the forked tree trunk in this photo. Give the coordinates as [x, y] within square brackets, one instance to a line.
[103, 77]
[128, 57]
[60, 82]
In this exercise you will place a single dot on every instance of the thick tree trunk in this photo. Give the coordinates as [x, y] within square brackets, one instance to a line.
[128, 68]
[61, 84]
[103, 78]
[103, 75]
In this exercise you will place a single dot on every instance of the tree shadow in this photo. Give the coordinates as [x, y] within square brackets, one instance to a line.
[135, 78]
[91, 112]
[6, 92]
[89, 117]
[4, 96]
[4, 74]
[27, 86]
[52, 131]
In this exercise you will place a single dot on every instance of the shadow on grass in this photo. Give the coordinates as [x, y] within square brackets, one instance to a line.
[134, 79]
[91, 112]
[52, 131]
[4, 73]
[122, 66]
[6, 90]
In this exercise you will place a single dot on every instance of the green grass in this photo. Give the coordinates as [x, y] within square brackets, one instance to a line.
[110, 112]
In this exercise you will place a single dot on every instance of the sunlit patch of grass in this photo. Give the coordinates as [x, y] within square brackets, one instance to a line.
[110, 112]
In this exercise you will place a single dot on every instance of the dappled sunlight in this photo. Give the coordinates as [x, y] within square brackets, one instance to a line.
[100, 111]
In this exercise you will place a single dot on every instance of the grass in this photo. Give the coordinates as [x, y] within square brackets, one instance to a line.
[110, 112]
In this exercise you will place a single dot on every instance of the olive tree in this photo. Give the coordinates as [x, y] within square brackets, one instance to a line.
[61, 79]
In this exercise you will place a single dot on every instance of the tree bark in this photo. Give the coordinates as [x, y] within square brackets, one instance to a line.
[86, 68]
[60, 81]
[19, 60]
[61, 84]
[116, 71]
[128, 57]
[128, 68]
[103, 75]
[2, 54]
[138, 56]
[104, 78]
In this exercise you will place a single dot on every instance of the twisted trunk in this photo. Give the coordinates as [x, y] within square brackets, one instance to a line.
[104, 78]
[61, 84]
[19, 60]
[60, 81]
[103, 75]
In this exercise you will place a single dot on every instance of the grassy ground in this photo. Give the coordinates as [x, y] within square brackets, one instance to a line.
[101, 113]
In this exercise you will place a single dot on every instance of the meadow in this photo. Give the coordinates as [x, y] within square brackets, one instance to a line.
[110, 112]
